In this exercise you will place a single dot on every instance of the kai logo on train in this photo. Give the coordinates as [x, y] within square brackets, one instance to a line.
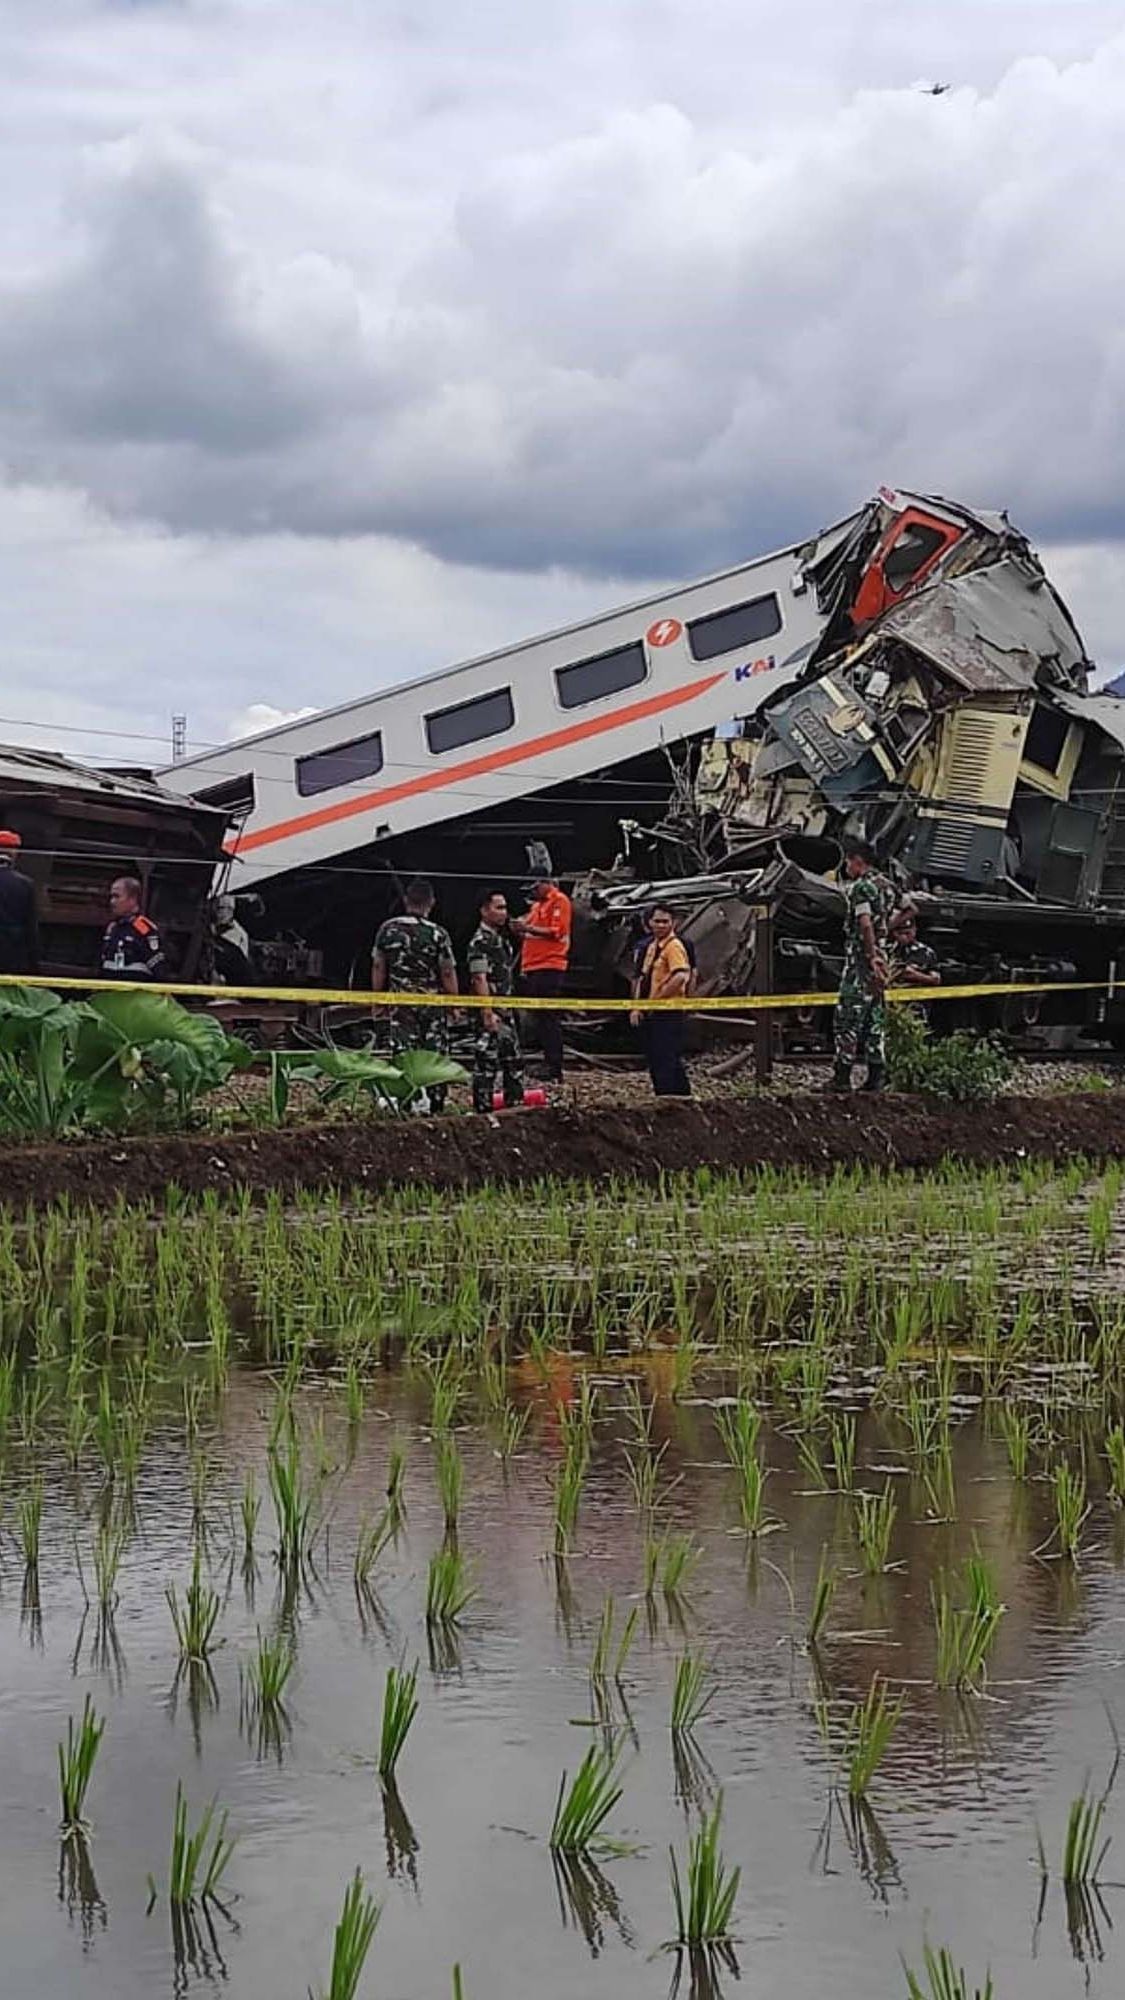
[665, 632]
[763, 666]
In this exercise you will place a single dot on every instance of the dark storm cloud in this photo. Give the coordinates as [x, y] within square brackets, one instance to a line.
[590, 293]
[629, 351]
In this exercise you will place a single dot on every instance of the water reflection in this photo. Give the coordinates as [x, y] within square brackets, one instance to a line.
[78, 1887]
[401, 1840]
[588, 1900]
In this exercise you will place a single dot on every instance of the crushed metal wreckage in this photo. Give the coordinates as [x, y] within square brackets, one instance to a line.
[950, 724]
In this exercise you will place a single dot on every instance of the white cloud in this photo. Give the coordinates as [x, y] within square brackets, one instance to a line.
[262, 715]
[332, 352]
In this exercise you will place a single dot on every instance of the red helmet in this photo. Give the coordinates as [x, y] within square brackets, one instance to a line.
[8, 838]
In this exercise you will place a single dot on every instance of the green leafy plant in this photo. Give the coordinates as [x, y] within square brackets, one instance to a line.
[944, 1980]
[354, 1932]
[269, 1672]
[195, 1615]
[582, 1809]
[824, 1592]
[965, 1067]
[400, 1706]
[870, 1727]
[875, 1515]
[1082, 1856]
[77, 1757]
[449, 1591]
[693, 1691]
[965, 1633]
[704, 1903]
[199, 1859]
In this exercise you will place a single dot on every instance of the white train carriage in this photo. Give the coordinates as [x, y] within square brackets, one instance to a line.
[514, 723]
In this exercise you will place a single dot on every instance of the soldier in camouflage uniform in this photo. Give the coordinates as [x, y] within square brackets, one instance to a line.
[412, 954]
[911, 963]
[860, 1022]
[491, 963]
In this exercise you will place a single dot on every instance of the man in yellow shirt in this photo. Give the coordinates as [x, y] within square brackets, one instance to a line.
[664, 974]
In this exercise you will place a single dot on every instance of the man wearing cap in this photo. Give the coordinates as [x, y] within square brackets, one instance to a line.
[131, 945]
[544, 956]
[19, 924]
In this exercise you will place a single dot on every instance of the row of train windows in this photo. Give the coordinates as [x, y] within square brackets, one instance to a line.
[585, 681]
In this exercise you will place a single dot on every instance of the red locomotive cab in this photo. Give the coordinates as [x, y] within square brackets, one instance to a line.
[910, 550]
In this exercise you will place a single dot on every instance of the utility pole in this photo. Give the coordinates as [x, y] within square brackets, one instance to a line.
[179, 738]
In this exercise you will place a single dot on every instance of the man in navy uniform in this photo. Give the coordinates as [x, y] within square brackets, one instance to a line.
[131, 945]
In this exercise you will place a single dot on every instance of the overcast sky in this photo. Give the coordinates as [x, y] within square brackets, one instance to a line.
[342, 338]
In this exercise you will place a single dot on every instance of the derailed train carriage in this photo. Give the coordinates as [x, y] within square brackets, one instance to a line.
[910, 674]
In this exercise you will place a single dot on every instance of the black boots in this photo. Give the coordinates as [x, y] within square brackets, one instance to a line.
[876, 1077]
[841, 1078]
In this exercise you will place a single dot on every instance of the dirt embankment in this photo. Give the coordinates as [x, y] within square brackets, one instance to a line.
[637, 1142]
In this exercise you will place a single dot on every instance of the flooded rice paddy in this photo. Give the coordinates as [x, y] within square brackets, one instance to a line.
[643, 1428]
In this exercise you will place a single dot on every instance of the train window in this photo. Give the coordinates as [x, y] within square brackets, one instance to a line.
[1046, 739]
[469, 721]
[909, 553]
[605, 673]
[235, 795]
[739, 625]
[340, 764]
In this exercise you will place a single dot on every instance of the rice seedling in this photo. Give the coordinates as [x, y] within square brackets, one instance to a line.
[249, 1506]
[370, 1544]
[944, 1980]
[644, 1478]
[77, 1757]
[354, 1394]
[199, 1859]
[965, 1633]
[867, 1736]
[196, 1615]
[396, 1477]
[875, 1515]
[582, 1809]
[79, 1427]
[808, 1451]
[1015, 1426]
[458, 1986]
[400, 1706]
[446, 1391]
[1082, 1857]
[693, 1691]
[570, 1476]
[608, 1661]
[704, 1903]
[1115, 1456]
[513, 1424]
[679, 1555]
[352, 1942]
[1071, 1508]
[268, 1673]
[449, 1591]
[843, 1442]
[450, 1479]
[824, 1592]
[292, 1505]
[739, 1426]
[29, 1522]
[109, 1548]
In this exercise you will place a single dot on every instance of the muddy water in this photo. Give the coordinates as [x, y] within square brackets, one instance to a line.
[462, 1866]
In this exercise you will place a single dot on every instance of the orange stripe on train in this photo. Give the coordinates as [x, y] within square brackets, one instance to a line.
[475, 767]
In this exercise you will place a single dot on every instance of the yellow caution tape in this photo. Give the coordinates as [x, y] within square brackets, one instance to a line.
[712, 1003]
